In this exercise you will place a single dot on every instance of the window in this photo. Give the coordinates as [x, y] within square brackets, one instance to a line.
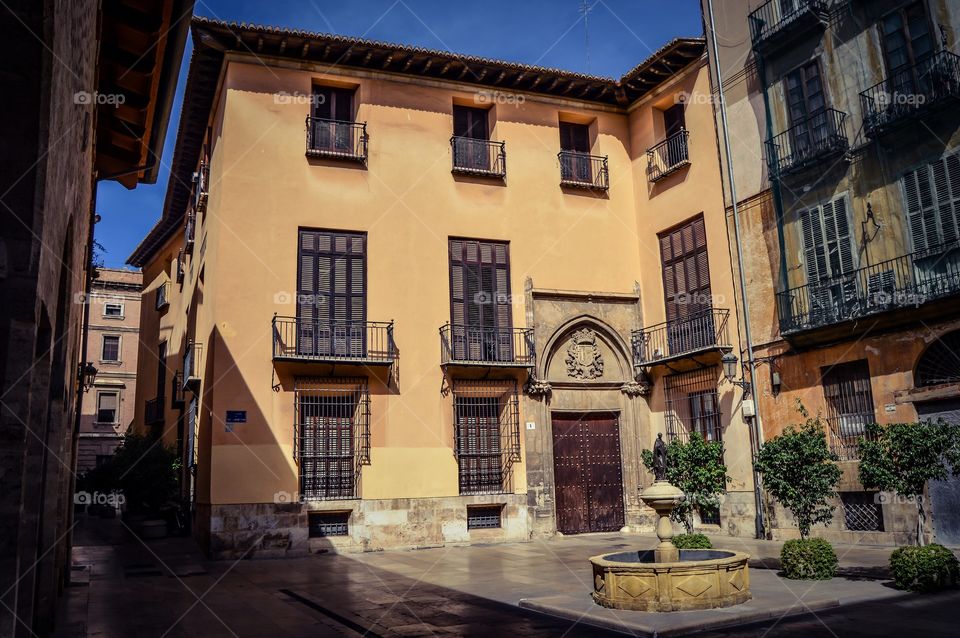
[110, 348]
[688, 296]
[484, 516]
[486, 434]
[931, 196]
[332, 128]
[846, 388]
[480, 307]
[331, 294]
[108, 403]
[828, 259]
[906, 37]
[575, 158]
[323, 524]
[674, 120]
[862, 512]
[113, 310]
[331, 435]
[161, 369]
[692, 404]
[810, 125]
[471, 136]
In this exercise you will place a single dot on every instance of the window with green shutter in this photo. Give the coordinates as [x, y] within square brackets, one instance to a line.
[828, 257]
[931, 197]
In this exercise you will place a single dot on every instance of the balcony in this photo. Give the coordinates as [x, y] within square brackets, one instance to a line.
[180, 271]
[483, 158]
[911, 93]
[153, 411]
[777, 23]
[704, 333]
[808, 143]
[162, 295]
[476, 346]
[337, 139]
[581, 170]
[201, 186]
[189, 231]
[668, 156]
[191, 366]
[353, 342]
[915, 281]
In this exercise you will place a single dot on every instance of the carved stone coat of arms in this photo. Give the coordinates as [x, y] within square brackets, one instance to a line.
[584, 360]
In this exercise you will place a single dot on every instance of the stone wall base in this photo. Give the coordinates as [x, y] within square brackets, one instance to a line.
[278, 530]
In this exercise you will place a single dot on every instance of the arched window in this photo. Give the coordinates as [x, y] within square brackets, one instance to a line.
[941, 362]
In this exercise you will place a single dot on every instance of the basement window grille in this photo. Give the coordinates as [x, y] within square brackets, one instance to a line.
[484, 516]
[861, 512]
[331, 435]
[486, 434]
[709, 515]
[323, 524]
[846, 388]
[693, 404]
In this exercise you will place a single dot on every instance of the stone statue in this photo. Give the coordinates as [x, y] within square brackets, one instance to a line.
[660, 459]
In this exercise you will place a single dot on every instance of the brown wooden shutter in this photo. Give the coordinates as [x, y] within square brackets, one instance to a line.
[480, 303]
[686, 270]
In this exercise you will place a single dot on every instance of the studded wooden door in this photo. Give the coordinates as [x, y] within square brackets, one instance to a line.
[587, 474]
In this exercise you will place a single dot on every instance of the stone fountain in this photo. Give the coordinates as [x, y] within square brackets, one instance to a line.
[667, 578]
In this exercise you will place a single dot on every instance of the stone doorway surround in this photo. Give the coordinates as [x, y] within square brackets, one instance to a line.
[584, 365]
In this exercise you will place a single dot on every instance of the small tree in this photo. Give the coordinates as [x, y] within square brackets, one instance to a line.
[904, 457]
[696, 468]
[800, 471]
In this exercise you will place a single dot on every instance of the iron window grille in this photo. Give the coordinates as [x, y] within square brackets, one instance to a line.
[331, 435]
[940, 363]
[668, 156]
[153, 411]
[479, 157]
[177, 395]
[189, 231]
[484, 516]
[692, 404]
[201, 184]
[338, 139]
[709, 515]
[486, 434]
[861, 511]
[846, 388]
[163, 295]
[776, 18]
[322, 524]
[582, 170]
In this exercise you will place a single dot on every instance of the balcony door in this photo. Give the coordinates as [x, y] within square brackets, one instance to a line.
[906, 43]
[674, 122]
[932, 204]
[829, 261]
[472, 132]
[575, 161]
[331, 294]
[480, 312]
[332, 112]
[806, 105]
[688, 296]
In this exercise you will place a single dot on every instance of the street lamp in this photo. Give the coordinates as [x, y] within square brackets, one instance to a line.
[88, 374]
[729, 362]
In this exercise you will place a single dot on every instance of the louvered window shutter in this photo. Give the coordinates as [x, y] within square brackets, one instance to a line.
[932, 201]
[839, 251]
[479, 299]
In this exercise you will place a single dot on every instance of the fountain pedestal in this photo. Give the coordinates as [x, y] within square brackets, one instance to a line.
[663, 497]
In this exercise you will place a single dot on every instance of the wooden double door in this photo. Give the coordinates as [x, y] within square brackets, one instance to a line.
[588, 477]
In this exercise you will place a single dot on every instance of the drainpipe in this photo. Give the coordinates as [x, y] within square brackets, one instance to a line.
[756, 431]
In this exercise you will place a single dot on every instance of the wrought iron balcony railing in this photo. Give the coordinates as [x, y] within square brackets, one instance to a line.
[668, 156]
[336, 139]
[201, 186]
[153, 411]
[775, 19]
[162, 295]
[479, 157]
[911, 92]
[908, 281]
[189, 231]
[191, 366]
[363, 342]
[807, 143]
[471, 345]
[582, 170]
[680, 338]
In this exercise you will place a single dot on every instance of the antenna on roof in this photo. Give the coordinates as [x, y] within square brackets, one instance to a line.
[585, 9]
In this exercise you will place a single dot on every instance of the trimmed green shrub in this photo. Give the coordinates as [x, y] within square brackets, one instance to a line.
[808, 559]
[692, 541]
[924, 569]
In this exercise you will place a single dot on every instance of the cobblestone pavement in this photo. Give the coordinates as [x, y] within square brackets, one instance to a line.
[167, 588]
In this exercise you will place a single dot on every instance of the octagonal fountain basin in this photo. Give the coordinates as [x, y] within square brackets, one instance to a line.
[701, 579]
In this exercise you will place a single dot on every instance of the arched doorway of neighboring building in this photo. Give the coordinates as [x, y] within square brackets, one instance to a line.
[939, 367]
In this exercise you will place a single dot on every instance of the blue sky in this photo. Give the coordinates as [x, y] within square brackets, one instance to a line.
[622, 33]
